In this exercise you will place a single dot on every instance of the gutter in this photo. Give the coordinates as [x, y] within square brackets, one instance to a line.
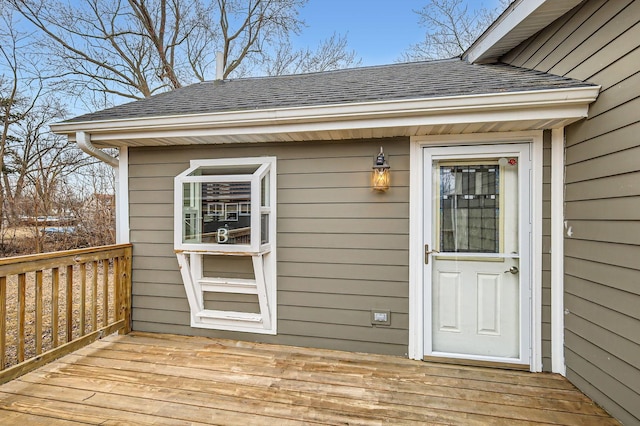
[84, 142]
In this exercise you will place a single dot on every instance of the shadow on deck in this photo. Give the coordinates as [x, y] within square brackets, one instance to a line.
[143, 378]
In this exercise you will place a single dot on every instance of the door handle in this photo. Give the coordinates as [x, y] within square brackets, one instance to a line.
[513, 270]
[427, 252]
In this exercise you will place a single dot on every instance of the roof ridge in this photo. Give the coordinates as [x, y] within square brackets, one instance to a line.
[341, 70]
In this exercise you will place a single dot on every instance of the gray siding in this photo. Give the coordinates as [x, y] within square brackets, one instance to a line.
[342, 249]
[599, 41]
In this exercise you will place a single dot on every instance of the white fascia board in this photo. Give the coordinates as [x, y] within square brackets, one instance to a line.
[488, 115]
[521, 20]
[538, 104]
[517, 12]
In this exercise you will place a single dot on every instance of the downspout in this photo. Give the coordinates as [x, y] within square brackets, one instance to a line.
[84, 142]
[122, 213]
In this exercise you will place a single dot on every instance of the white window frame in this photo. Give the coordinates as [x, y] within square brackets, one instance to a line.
[264, 166]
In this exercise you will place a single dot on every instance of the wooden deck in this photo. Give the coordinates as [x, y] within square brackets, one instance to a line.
[172, 380]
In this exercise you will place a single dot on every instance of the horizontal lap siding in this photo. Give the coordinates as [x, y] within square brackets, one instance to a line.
[342, 249]
[599, 41]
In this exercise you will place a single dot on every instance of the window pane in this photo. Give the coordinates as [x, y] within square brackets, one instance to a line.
[469, 208]
[226, 225]
[264, 228]
[190, 213]
[264, 191]
[221, 213]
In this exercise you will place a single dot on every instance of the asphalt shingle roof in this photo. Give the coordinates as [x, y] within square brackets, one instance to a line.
[416, 80]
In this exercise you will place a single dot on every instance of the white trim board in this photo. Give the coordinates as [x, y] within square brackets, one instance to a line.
[557, 252]
[521, 20]
[122, 197]
[416, 226]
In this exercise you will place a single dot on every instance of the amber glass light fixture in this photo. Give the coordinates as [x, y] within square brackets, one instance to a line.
[380, 178]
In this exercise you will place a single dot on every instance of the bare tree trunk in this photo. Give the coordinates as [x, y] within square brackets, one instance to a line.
[7, 120]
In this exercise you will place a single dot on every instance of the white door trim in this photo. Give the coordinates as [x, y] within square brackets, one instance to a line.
[557, 251]
[416, 232]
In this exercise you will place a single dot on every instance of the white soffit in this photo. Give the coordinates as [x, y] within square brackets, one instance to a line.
[521, 20]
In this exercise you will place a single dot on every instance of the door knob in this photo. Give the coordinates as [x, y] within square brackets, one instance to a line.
[514, 270]
[427, 252]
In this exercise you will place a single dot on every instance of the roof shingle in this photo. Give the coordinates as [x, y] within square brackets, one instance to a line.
[415, 80]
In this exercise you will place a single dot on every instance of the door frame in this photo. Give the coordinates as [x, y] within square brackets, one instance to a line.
[416, 232]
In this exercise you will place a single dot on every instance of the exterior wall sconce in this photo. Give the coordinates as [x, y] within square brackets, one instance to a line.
[380, 178]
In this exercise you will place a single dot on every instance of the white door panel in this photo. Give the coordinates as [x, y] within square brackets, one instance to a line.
[447, 302]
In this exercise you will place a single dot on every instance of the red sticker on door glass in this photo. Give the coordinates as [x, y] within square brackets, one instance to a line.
[513, 161]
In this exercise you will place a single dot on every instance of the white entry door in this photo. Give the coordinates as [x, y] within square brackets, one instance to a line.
[477, 252]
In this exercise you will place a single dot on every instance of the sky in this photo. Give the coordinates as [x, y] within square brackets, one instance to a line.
[378, 30]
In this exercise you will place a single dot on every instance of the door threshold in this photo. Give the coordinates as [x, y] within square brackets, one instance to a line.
[477, 363]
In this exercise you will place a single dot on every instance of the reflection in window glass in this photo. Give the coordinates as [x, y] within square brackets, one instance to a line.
[264, 228]
[245, 209]
[469, 208]
[190, 214]
[191, 233]
[217, 212]
[264, 191]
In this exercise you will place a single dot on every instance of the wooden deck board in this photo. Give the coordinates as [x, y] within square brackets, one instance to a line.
[144, 378]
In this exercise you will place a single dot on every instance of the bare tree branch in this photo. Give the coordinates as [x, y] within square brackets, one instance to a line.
[331, 54]
[135, 48]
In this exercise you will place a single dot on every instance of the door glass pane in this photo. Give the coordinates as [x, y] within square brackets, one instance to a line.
[469, 214]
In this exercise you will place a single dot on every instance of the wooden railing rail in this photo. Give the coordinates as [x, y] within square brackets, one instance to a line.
[52, 304]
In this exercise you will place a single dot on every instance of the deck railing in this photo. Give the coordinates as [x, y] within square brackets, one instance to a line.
[52, 304]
